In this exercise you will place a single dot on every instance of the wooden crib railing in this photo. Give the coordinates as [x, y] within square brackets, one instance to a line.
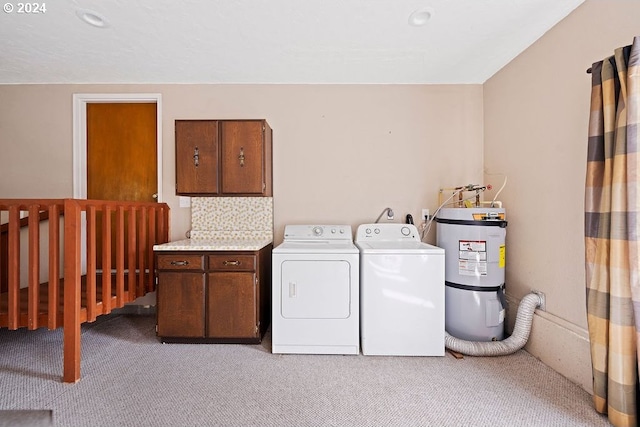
[102, 259]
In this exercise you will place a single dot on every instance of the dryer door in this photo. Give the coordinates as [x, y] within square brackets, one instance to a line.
[315, 289]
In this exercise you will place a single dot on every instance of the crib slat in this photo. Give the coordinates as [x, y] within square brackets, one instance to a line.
[131, 254]
[151, 282]
[120, 256]
[106, 258]
[91, 264]
[54, 260]
[34, 267]
[163, 224]
[14, 267]
[4, 254]
[142, 250]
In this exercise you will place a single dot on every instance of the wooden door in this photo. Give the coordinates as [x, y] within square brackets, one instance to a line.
[122, 151]
[121, 156]
[242, 146]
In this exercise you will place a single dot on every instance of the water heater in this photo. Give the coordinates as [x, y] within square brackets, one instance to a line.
[474, 243]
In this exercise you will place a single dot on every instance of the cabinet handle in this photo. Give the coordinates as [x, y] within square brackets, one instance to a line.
[231, 263]
[179, 262]
[196, 157]
[241, 157]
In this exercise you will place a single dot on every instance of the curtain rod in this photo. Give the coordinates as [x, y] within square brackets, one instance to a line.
[626, 52]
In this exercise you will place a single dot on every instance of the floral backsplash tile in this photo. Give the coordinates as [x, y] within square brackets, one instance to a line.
[232, 217]
[230, 235]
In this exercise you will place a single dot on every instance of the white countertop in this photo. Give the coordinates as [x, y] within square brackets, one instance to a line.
[214, 245]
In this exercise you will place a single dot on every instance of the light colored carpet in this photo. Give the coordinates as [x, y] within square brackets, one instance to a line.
[130, 379]
[26, 418]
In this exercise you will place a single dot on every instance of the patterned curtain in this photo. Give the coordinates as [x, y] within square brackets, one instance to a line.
[612, 228]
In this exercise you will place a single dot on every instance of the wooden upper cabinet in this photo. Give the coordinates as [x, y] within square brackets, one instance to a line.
[242, 157]
[223, 158]
[197, 157]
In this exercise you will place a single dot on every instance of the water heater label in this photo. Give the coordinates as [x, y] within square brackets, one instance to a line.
[502, 260]
[472, 257]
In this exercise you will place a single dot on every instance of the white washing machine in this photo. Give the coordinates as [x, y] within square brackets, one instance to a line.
[316, 291]
[401, 292]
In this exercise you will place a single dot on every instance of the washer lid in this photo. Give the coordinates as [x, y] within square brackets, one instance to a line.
[398, 247]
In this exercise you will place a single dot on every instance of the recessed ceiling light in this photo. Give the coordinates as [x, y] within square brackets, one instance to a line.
[92, 18]
[421, 16]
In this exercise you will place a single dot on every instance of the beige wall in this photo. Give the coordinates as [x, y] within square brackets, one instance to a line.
[536, 115]
[342, 153]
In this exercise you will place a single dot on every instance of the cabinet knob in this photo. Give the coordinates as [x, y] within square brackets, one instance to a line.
[241, 157]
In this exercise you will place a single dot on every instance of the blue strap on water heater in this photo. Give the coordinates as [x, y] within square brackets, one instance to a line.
[489, 222]
[475, 288]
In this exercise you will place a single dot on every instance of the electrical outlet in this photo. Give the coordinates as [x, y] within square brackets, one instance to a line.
[425, 214]
[184, 202]
[543, 300]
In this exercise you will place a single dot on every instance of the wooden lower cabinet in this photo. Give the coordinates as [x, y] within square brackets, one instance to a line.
[214, 297]
[180, 304]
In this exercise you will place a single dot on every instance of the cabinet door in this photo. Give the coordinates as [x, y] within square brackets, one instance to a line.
[196, 157]
[180, 304]
[242, 144]
[231, 302]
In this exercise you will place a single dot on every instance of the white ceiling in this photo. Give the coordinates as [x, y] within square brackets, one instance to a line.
[270, 41]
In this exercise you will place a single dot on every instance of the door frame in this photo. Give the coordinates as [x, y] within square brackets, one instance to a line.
[80, 101]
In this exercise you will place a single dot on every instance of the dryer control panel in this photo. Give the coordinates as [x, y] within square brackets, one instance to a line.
[318, 232]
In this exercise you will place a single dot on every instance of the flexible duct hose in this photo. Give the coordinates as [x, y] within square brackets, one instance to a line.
[515, 342]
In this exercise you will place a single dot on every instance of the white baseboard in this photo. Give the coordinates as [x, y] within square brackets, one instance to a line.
[561, 345]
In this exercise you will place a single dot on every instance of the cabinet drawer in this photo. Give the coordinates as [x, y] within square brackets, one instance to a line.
[180, 262]
[232, 262]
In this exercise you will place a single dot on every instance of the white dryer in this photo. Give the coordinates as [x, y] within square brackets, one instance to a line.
[315, 291]
[401, 292]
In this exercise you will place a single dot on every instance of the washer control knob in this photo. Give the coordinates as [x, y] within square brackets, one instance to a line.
[377, 231]
[341, 231]
[405, 231]
[368, 230]
[317, 231]
[333, 231]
